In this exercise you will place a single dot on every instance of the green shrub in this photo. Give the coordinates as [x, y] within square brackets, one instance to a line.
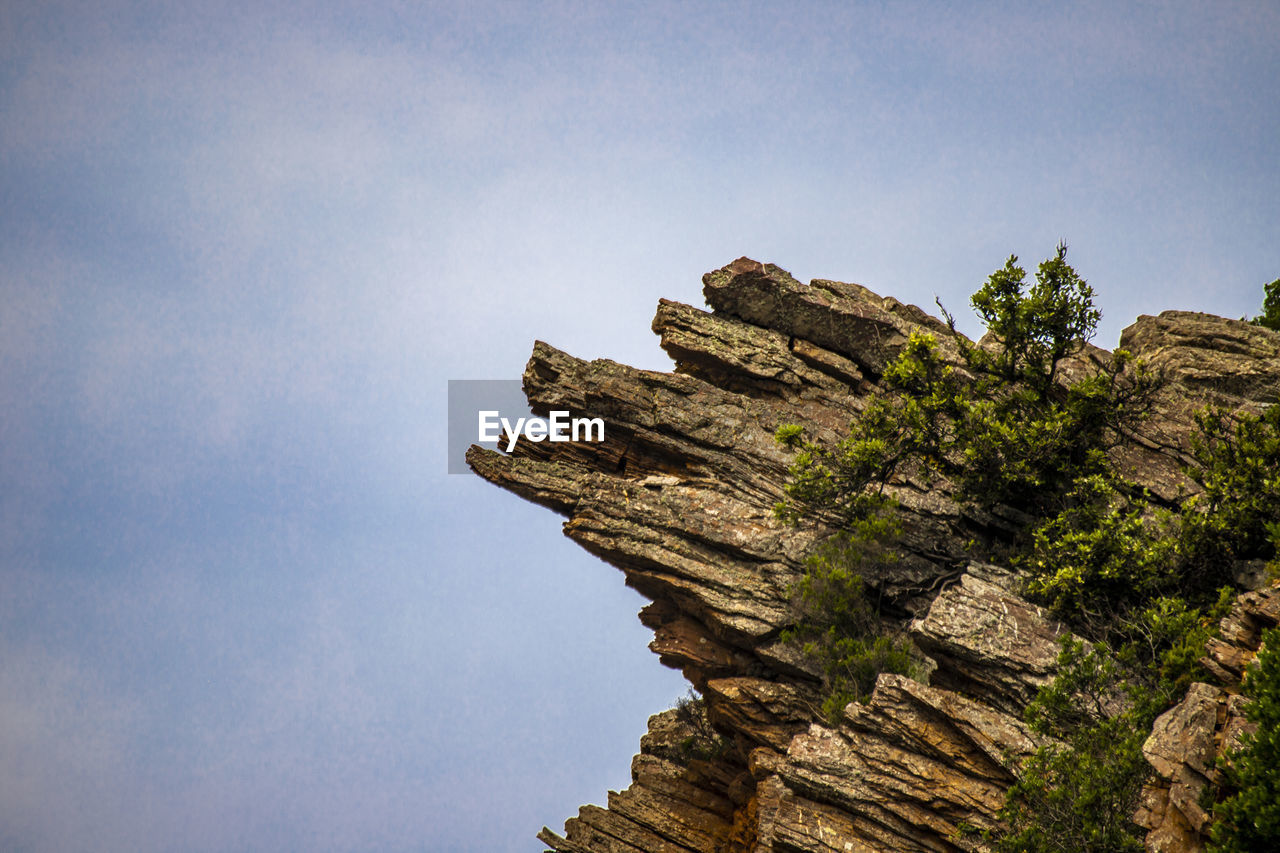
[1141, 577]
[1101, 556]
[1109, 552]
[1249, 819]
[1147, 583]
[1000, 427]
[1023, 437]
[1034, 326]
[1238, 468]
[1270, 316]
[837, 623]
[1167, 641]
[1080, 791]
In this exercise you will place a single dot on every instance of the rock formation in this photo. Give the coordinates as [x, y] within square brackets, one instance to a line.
[679, 497]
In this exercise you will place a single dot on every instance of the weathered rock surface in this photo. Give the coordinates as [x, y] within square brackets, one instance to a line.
[904, 772]
[988, 642]
[1188, 741]
[679, 497]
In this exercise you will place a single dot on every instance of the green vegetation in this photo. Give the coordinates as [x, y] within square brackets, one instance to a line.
[1098, 556]
[1270, 316]
[839, 626]
[1034, 327]
[703, 742]
[1239, 470]
[1146, 583]
[1000, 426]
[1249, 819]
[1080, 791]
[1109, 553]
[1146, 580]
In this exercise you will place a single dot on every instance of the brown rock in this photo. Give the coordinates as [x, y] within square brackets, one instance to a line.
[679, 496]
[766, 713]
[845, 318]
[988, 642]
[1224, 361]
[907, 769]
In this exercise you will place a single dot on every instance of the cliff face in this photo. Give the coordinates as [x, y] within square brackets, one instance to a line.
[680, 496]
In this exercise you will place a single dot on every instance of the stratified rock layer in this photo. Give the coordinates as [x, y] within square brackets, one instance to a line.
[679, 497]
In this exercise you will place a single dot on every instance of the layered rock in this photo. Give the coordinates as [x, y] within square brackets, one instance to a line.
[680, 496]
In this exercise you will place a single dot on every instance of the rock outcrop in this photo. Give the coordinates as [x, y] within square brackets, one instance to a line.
[679, 497]
[1189, 740]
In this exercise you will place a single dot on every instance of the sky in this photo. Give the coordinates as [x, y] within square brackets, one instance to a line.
[244, 247]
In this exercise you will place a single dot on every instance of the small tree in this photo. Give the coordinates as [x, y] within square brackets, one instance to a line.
[1034, 327]
[913, 428]
[1080, 790]
[1238, 469]
[1078, 793]
[1100, 557]
[703, 742]
[1000, 426]
[1110, 550]
[1270, 316]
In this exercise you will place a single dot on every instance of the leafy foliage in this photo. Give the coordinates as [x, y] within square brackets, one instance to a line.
[1138, 576]
[1033, 327]
[1238, 468]
[839, 626]
[912, 427]
[1108, 552]
[1168, 639]
[1249, 819]
[1101, 555]
[1024, 437]
[1000, 426]
[1079, 792]
[1270, 316]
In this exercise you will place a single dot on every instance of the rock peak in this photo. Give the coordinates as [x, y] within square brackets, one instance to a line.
[679, 498]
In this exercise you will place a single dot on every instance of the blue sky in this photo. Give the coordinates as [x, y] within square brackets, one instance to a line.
[242, 606]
